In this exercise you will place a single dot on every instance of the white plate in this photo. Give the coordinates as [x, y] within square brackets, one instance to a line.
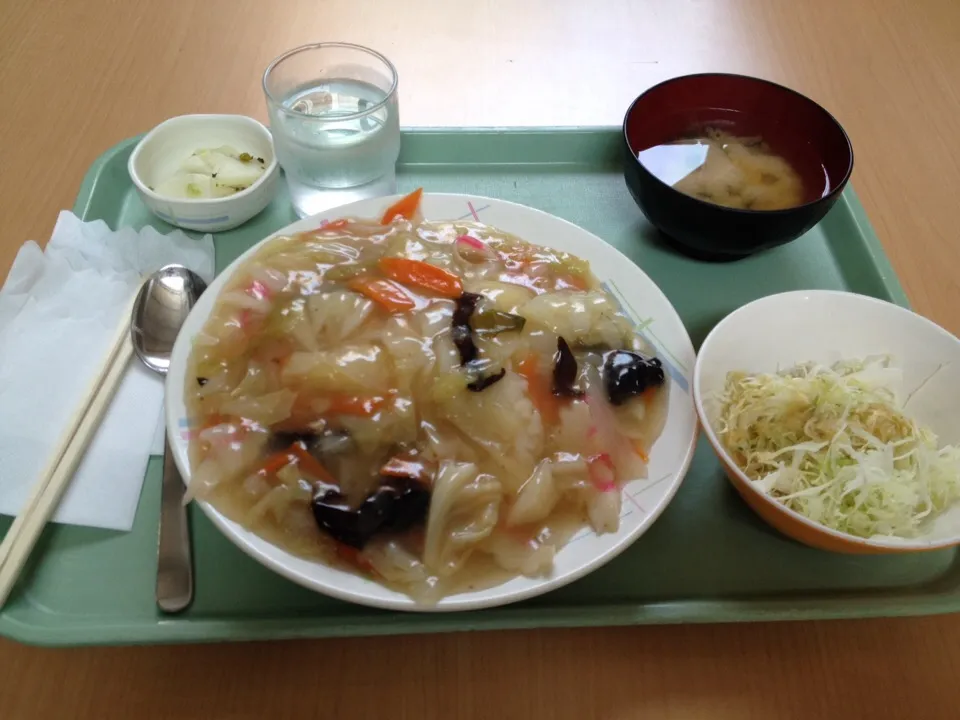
[644, 500]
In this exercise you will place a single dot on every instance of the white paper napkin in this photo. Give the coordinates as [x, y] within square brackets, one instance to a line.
[59, 310]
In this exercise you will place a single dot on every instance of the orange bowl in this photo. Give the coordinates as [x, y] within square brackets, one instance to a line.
[793, 524]
[824, 326]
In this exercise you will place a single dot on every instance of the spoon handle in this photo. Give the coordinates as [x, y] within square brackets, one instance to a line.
[174, 558]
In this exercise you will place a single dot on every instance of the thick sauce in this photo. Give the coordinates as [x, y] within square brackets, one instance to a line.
[430, 404]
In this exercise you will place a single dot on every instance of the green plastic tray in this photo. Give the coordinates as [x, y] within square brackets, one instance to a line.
[707, 559]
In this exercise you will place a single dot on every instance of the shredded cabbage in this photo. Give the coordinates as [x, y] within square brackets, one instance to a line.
[834, 444]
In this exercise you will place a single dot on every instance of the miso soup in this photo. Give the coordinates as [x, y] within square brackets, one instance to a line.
[724, 169]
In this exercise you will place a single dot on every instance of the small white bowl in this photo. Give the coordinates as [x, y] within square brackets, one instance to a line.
[159, 154]
[824, 326]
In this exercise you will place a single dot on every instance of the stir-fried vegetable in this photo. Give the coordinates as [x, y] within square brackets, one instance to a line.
[626, 463]
[409, 465]
[276, 462]
[299, 455]
[492, 322]
[471, 250]
[397, 505]
[462, 335]
[422, 275]
[352, 556]
[469, 318]
[355, 405]
[310, 464]
[539, 390]
[384, 292]
[572, 282]
[627, 374]
[565, 371]
[833, 444]
[335, 224]
[397, 398]
[461, 331]
[484, 381]
[601, 472]
[348, 271]
[405, 207]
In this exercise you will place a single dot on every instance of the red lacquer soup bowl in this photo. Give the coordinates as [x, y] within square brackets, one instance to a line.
[793, 127]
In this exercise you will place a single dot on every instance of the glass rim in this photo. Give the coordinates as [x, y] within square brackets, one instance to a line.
[320, 46]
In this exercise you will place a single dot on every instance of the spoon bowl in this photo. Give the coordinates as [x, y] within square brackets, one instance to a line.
[161, 308]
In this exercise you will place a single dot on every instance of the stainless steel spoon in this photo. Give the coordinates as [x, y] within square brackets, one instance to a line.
[162, 305]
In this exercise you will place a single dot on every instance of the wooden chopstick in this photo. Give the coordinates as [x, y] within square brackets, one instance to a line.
[46, 492]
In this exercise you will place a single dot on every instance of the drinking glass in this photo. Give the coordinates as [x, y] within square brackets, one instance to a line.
[335, 120]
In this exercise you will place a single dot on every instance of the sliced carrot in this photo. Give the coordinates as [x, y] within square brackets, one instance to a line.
[275, 463]
[422, 275]
[538, 387]
[404, 207]
[310, 464]
[355, 405]
[336, 224]
[386, 293]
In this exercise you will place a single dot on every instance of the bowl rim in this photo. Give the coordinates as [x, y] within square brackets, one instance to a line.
[248, 542]
[270, 169]
[906, 544]
[390, 96]
[829, 197]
